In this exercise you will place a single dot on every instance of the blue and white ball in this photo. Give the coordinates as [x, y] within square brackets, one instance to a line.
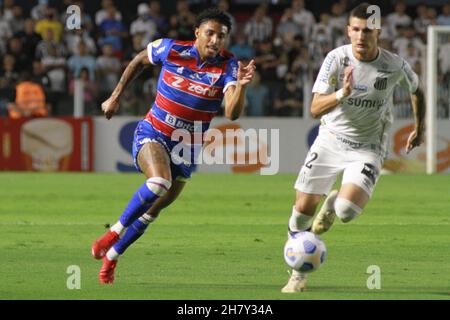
[304, 251]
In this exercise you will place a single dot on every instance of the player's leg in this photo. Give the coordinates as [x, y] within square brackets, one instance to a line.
[140, 225]
[154, 162]
[358, 184]
[315, 179]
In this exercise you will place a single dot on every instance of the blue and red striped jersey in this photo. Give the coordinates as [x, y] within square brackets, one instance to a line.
[188, 89]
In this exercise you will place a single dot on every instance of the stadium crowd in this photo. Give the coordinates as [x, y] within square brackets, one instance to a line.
[41, 57]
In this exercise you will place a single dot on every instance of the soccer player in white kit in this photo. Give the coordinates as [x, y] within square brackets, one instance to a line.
[353, 96]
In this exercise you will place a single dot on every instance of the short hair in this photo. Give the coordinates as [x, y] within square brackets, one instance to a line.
[360, 12]
[216, 15]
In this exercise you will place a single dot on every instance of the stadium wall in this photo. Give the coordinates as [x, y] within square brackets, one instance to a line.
[112, 145]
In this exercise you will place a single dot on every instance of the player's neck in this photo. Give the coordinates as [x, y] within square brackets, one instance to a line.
[368, 57]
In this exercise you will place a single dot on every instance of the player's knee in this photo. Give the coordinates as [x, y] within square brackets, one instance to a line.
[158, 185]
[346, 210]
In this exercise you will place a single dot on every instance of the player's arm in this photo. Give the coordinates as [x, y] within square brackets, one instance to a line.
[139, 63]
[324, 103]
[235, 94]
[418, 105]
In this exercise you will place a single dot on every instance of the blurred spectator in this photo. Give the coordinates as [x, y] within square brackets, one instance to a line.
[18, 21]
[39, 76]
[158, 18]
[240, 48]
[421, 22]
[432, 15]
[73, 37]
[39, 11]
[288, 102]
[49, 41]
[407, 37]
[82, 60]
[398, 18]
[30, 99]
[337, 22]
[112, 31]
[266, 61]
[5, 33]
[259, 27]
[322, 31]
[8, 77]
[444, 18]
[287, 28]
[102, 14]
[224, 5]
[183, 21]
[304, 18]
[144, 24]
[15, 48]
[8, 11]
[50, 22]
[89, 91]
[257, 96]
[134, 49]
[444, 57]
[29, 38]
[55, 66]
[108, 68]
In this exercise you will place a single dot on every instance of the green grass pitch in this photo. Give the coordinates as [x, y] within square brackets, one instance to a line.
[222, 239]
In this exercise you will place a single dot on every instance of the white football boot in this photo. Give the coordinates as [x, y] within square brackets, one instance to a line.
[296, 283]
[325, 218]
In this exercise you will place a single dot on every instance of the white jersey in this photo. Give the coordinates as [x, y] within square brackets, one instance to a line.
[365, 115]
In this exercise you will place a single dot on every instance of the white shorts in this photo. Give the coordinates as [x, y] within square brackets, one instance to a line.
[328, 157]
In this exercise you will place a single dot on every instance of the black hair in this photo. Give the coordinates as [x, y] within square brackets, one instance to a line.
[360, 11]
[213, 14]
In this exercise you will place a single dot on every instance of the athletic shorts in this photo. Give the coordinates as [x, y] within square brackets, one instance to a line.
[329, 156]
[145, 133]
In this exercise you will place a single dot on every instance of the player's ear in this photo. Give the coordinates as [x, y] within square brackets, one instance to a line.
[197, 32]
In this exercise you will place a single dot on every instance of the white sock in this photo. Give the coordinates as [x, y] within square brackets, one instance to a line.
[146, 219]
[299, 221]
[112, 254]
[118, 228]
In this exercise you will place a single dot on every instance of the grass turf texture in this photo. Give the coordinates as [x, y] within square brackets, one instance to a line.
[222, 239]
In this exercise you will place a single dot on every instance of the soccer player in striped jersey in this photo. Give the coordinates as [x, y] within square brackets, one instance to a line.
[195, 77]
[353, 96]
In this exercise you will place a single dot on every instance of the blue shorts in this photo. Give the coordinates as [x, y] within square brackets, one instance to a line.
[145, 133]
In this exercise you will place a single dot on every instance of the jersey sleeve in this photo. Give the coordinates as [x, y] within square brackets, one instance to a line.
[158, 50]
[327, 78]
[231, 74]
[409, 79]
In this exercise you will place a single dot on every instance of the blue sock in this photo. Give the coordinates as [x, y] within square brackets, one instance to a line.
[141, 201]
[133, 233]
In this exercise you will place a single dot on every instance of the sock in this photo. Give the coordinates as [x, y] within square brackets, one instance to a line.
[134, 232]
[112, 254]
[143, 199]
[118, 228]
[299, 221]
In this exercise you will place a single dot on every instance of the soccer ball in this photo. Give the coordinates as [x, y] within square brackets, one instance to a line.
[304, 251]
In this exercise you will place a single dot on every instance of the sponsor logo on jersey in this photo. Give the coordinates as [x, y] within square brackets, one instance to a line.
[380, 83]
[213, 77]
[332, 81]
[186, 85]
[185, 53]
[180, 70]
[371, 172]
[360, 87]
[160, 50]
[345, 61]
[366, 103]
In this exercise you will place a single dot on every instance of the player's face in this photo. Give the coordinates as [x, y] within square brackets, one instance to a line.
[211, 37]
[364, 40]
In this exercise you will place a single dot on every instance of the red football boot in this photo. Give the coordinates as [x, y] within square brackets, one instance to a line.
[106, 275]
[101, 246]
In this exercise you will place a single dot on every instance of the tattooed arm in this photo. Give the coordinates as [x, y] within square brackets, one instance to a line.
[139, 63]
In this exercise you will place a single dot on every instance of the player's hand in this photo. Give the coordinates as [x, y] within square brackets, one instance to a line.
[348, 81]
[109, 107]
[415, 139]
[245, 74]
